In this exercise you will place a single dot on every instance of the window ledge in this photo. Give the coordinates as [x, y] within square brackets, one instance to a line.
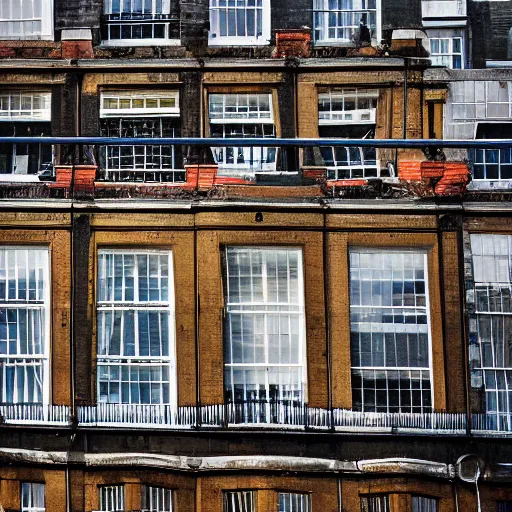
[139, 42]
[235, 43]
[340, 44]
[489, 185]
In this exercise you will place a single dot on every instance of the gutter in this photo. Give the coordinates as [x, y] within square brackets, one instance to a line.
[250, 463]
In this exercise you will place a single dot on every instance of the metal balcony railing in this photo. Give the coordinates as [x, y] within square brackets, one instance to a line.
[137, 415]
[491, 423]
[80, 169]
[260, 414]
[35, 414]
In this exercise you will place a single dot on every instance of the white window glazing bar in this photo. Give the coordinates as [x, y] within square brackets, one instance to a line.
[25, 106]
[492, 271]
[156, 499]
[24, 325]
[239, 501]
[242, 116]
[375, 504]
[32, 497]
[443, 52]
[120, 103]
[239, 23]
[390, 326]
[26, 19]
[294, 502]
[112, 498]
[339, 20]
[136, 339]
[265, 347]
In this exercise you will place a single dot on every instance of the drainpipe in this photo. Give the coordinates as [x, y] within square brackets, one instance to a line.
[78, 95]
[196, 313]
[406, 90]
[463, 327]
[326, 317]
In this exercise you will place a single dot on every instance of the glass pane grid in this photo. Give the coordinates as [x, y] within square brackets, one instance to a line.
[243, 19]
[423, 504]
[112, 498]
[134, 337]
[375, 503]
[239, 501]
[137, 20]
[447, 51]
[25, 106]
[481, 100]
[242, 116]
[349, 107]
[338, 20]
[294, 502]
[21, 19]
[390, 332]
[264, 344]
[492, 272]
[156, 499]
[141, 163]
[24, 305]
[32, 497]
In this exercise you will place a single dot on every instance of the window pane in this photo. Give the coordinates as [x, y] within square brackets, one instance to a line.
[264, 344]
[240, 501]
[32, 497]
[112, 498]
[491, 258]
[23, 332]
[422, 504]
[134, 307]
[229, 114]
[292, 502]
[156, 499]
[390, 331]
[240, 19]
[340, 21]
[375, 504]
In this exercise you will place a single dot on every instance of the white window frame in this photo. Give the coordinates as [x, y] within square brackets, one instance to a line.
[484, 98]
[20, 359]
[438, 57]
[111, 498]
[239, 501]
[160, 41]
[321, 10]
[112, 306]
[24, 98]
[344, 116]
[242, 115]
[489, 277]
[134, 98]
[214, 37]
[401, 328]
[484, 159]
[126, 105]
[46, 20]
[347, 117]
[267, 308]
[27, 493]
[379, 503]
[294, 502]
[156, 499]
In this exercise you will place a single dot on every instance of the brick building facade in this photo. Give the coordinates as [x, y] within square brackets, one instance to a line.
[246, 328]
